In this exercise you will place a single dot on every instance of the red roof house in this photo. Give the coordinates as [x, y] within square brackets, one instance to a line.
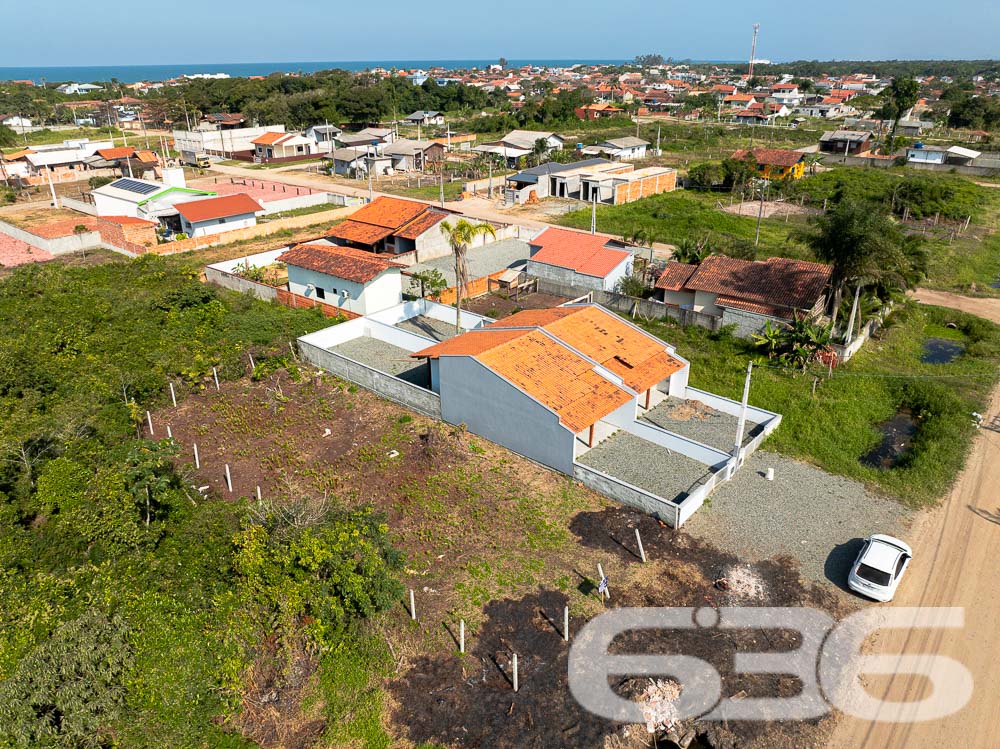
[575, 259]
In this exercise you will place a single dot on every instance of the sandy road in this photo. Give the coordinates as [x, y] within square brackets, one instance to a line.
[954, 564]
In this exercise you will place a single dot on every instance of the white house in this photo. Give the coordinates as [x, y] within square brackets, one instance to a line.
[422, 117]
[78, 88]
[628, 148]
[137, 197]
[282, 145]
[15, 121]
[578, 260]
[216, 215]
[323, 136]
[355, 280]
[941, 155]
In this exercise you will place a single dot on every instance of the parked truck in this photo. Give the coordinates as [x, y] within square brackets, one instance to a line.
[196, 158]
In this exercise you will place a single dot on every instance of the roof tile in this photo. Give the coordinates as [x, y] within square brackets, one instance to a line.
[213, 208]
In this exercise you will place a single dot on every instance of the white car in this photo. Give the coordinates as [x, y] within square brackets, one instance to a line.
[879, 567]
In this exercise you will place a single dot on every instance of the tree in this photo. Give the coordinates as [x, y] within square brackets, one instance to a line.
[460, 236]
[651, 60]
[899, 97]
[539, 149]
[7, 137]
[432, 282]
[706, 175]
[864, 246]
[737, 173]
[692, 251]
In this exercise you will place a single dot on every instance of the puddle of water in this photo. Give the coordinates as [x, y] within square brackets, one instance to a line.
[897, 434]
[941, 351]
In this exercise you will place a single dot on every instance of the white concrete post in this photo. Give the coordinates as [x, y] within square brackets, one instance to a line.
[413, 606]
[515, 671]
[229, 479]
[170, 434]
[638, 540]
[197, 463]
[566, 623]
[173, 395]
[259, 499]
[149, 420]
[461, 636]
[215, 376]
[600, 572]
[743, 413]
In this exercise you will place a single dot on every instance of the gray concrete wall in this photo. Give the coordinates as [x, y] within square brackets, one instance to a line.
[747, 323]
[564, 278]
[60, 245]
[78, 205]
[493, 408]
[397, 390]
[627, 494]
[238, 283]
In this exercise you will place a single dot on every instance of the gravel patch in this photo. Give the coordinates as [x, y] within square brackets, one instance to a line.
[645, 465]
[428, 327]
[387, 358]
[698, 422]
[805, 513]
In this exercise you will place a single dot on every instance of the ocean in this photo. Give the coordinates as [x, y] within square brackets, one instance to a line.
[134, 73]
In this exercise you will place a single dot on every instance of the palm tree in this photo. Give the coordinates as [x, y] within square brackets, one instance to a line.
[460, 236]
[692, 251]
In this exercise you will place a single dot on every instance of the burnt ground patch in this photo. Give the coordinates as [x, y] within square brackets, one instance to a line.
[468, 701]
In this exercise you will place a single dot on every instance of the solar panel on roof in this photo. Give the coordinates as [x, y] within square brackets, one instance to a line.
[134, 185]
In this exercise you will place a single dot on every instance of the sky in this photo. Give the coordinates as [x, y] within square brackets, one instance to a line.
[100, 32]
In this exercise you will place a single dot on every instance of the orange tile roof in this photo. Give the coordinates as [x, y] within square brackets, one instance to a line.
[583, 253]
[128, 220]
[17, 154]
[638, 358]
[675, 275]
[420, 224]
[213, 208]
[391, 213]
[543, 368]
[356, 231]
[269, 138]
[112, 154]
[341, 262]
[146, 157]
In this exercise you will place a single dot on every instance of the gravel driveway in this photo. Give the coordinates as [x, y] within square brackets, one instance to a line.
[806, 513]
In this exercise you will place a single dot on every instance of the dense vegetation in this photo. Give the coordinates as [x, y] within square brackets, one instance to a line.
[131, 606]
[839, 424]
[881, 68]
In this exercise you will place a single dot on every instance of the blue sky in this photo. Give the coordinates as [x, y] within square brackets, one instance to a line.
[100, 32]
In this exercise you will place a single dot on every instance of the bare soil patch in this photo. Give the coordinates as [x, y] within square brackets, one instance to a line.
[772, 209]
[498, 306]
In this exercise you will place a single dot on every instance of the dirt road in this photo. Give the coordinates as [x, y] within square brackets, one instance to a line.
[954, 564]
[984, 307]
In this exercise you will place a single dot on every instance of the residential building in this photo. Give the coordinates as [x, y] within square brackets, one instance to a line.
[421, 117]
[216, 215]
[519, 143]
[579, 261]
[628, 148]
[846, 142]
[141, 198]
[413, 155]
[746, 293]
[351, 279]
[786, 93]
[222, 141]
[776, 163]
[222, 121]
[956, 155]
[597, 111]
[273, 145]
[324, 136]
[553, 179]
[406, 229]
[78, 88]
[15, 122]
[540, 380]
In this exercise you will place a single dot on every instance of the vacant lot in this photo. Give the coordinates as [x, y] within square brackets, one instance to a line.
[489, 538]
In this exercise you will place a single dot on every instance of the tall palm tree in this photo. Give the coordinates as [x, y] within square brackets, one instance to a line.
[460, 236]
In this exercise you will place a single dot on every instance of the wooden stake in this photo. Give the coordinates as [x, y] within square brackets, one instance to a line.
[638, 540]
[515, 671]
[197, 463]
[461, 636]
[413, 607]
[566, 623]
[173, 395]
[215, 376]
[229, 479]
[149, 420]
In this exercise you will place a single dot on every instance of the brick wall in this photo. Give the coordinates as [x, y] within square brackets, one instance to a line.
[297, 301]
[475, 288]
[643, 188]
[137, 239]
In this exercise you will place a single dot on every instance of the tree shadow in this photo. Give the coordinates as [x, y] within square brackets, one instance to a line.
[838, 563]
[992, 516]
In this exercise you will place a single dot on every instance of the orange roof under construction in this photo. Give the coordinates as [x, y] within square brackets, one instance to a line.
[113, 154]
[543, 368]
[637, 357]
[550, 354]
[222, 207]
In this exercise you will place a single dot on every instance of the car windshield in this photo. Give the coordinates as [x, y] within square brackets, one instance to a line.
[873, 575]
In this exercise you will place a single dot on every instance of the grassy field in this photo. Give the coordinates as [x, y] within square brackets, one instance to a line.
[452, 191]
[46, 136]
[838, 425]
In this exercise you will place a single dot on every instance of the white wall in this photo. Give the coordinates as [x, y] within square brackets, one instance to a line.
[384, 291]
[205, 228]
[108, 205]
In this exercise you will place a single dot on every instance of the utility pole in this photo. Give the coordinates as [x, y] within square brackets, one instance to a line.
[442, 184]
[658, 140]
[760, 215]
[743, 413]
[489, 190]
[593, 214]
[753, 52]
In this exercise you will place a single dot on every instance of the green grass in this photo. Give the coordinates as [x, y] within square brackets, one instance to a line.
[674, 216]
[839, 425]
[305, 211]
[452, 191]
[47, 137]
[353, 699]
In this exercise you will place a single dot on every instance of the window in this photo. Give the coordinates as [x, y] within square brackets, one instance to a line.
[899, 565]
[333, 291]
[320, 294]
